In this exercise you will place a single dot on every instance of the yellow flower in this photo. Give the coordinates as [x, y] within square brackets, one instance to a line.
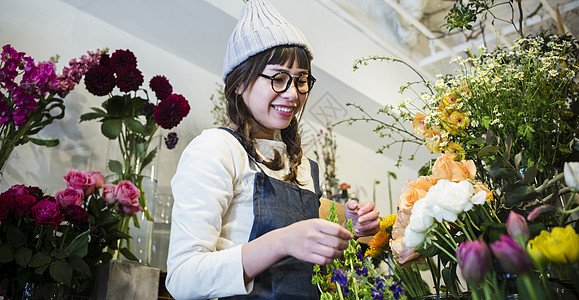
[373, 252]
[388, 222]
[380, 240]
[539, 259]
[561, 245]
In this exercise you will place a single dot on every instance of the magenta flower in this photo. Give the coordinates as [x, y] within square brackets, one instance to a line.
[129, 79]
[170, 112]
[161, 86]
[128, 196]
[47, 212]
[474, 259]
[517, 228]
[109, 193]
[511, 255]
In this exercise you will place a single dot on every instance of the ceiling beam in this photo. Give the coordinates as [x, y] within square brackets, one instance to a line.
[388, 46]
[423, 29]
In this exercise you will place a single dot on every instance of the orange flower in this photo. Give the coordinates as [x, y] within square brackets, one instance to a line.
[378, 242]
[413, 191]
[418, 123]
[483, 187]
[344, 186]
[446, 167]
[455, 122]
[455, 149]
[434, 140]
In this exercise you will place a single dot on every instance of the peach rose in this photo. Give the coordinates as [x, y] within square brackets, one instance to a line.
[418, 123]
[483, 187]
[446, 167]
[413, 191]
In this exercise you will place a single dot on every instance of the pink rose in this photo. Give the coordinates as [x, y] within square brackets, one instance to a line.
[46, 212]
[128, 196]
[18, 190]
[69, 196]
[80, 180]
[109, 193]
[130, 210]
[126, 192]
[98, 178]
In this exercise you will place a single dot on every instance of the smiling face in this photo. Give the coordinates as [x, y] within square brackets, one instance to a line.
[271, 110]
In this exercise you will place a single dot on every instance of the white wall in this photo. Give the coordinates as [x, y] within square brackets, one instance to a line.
[44, 28]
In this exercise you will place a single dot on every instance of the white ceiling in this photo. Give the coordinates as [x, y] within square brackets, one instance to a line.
[340, 32]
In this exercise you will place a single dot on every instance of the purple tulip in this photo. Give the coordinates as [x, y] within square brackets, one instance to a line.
[539, 210]
[511, 255]
[517, 228]
[474, 259]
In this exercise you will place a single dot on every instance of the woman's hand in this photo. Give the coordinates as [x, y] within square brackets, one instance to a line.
[365, 217]
[315, 240]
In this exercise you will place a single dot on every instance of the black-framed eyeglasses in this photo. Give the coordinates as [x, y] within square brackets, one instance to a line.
[281, 82]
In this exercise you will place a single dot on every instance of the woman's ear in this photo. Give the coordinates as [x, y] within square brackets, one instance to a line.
[239, 89]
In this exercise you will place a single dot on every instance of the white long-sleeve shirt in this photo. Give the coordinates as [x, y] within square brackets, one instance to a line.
[213, 214]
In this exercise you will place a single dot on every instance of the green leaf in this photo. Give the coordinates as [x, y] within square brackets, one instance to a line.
[78, 264]
[111, 128]
[531, 174]
[428, 251]
[128, 254]
[6, 253]
[516, 193]
[90, 116]
[503, 173]
[488, 150]
[39, 259]
[46, 143]
[518, 158]
[61, 271]
[136, 126]
[15, 237]
[78, 246]
[508, 146]
[116, 167]
[22, 256]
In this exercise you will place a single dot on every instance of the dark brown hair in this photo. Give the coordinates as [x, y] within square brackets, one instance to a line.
[238, 113]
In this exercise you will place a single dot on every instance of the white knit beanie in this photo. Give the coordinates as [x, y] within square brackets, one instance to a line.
[260, 27]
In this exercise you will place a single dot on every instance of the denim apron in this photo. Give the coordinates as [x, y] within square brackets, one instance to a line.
[277, 204]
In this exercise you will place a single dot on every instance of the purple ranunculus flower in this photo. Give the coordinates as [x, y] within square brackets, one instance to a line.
[47, 212]
[161, 86]
[170, 112]
[474, 259]
[129, 79]
[99, 80]
[171, 140]
[511, 255]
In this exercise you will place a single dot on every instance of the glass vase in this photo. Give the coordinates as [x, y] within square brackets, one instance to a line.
[146, 181]
[161, 230]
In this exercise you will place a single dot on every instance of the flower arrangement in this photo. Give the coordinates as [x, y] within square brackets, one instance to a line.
[325, 146]
[61, 238]
[31, 96]
[131, 118]
[354, 277]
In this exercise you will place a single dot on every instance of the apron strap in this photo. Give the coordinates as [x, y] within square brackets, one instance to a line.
[239, 140]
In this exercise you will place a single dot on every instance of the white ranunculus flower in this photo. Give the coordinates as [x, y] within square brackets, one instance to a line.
[571, 170]
[412, 238]
[451, 198]
[479, 198]
[420, 218]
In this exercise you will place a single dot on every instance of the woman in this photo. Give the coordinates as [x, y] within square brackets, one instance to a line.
[245, 217]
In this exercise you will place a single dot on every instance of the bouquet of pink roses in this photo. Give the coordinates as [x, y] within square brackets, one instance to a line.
[61, 238]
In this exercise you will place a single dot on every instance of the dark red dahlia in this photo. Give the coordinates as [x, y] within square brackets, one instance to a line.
[171, 140]
[99, 80]
[105, 60]
[121, 59]
[129, 79]
[161, 86]
[5, 205]
[170, 112]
